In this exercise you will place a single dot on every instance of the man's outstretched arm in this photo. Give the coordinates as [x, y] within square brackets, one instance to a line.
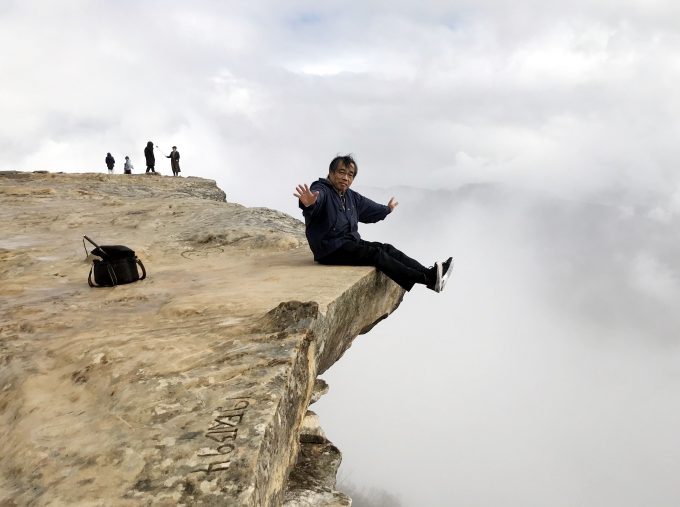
[370, 211]
[305, 195]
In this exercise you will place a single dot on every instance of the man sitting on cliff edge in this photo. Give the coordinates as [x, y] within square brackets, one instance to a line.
[332, 212]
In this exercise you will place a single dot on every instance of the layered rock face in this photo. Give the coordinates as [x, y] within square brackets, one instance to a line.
[190, 387]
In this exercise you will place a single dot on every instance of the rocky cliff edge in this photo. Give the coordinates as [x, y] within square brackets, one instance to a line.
[190, 387]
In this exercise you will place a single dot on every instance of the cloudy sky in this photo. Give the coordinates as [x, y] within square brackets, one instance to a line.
[570, 96]
[535, 141]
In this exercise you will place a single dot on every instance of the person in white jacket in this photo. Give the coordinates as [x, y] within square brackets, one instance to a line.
[128, 167]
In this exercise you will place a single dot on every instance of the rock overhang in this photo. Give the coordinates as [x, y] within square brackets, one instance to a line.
[188, 387]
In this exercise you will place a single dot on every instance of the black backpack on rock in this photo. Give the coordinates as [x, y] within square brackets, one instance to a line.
[118, 265]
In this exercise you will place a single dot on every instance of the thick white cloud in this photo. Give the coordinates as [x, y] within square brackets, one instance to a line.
[574, 97]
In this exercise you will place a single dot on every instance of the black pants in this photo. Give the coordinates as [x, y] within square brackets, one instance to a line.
[394, 263]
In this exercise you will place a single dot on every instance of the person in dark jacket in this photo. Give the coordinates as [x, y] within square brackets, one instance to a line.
[174, 161]
[150, 158]
[110, 162]
[332, 214]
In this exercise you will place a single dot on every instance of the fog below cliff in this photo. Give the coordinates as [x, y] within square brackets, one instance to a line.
[548, 371]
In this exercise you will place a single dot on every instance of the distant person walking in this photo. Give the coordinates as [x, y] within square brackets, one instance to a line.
[110, 162]
[128, 167]
[174, 161]
[150, 158]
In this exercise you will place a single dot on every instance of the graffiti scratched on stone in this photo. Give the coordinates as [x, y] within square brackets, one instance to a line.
[222, 436]
[204, 252]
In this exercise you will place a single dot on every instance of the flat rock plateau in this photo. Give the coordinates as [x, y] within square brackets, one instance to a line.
[190, 387]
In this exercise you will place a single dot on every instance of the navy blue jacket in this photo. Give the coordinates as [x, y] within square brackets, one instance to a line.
[329, 224]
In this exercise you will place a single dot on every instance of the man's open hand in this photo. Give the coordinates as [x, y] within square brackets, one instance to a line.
[392, 204]
[306, 196]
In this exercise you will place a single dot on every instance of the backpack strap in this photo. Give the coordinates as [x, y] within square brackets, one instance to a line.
[112, 273]
[143, 270]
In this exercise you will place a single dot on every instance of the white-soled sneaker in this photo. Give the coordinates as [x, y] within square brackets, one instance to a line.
[438, 283]
[447, 269]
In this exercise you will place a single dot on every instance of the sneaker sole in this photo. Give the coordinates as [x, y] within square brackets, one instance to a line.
[446, 276]
[438, 283]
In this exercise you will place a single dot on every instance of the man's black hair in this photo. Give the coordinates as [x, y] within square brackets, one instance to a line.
[345, 161]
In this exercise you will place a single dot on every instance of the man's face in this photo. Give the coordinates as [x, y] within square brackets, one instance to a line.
[342, 178]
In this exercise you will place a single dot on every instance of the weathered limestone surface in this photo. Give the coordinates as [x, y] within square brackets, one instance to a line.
[187, 388]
